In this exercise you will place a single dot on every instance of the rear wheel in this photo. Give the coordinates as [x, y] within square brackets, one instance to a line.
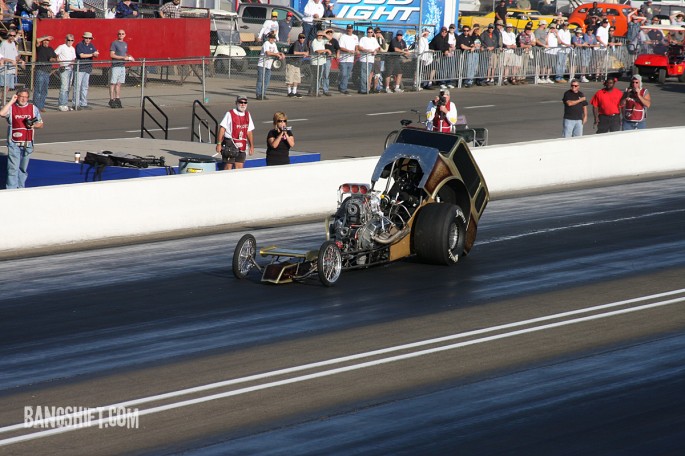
[439, 233]
[662, 76]
[329, 263]
[681, 78]
[244, 256]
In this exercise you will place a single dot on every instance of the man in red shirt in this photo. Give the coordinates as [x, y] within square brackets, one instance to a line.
[605, 106]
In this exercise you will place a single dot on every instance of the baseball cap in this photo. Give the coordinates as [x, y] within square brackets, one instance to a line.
[553, 25]
[274, 13]
[240, 98]
[400, 33]
[290, 14]
[499, 22]
[349, 27]
[509, 25]
[491, 26]
[579, 30]
[543, 22]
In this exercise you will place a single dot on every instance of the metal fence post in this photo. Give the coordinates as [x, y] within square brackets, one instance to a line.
[142, 82]
[77, 94]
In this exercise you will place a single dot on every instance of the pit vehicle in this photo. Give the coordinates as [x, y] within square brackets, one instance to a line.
[665, 60]
[426, 198]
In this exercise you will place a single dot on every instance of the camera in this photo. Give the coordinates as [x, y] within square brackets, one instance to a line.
[442, 101]
[31, 122]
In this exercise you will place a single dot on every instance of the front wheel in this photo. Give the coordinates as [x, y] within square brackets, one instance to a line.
[681, 78]
[662, 76]
[329, 263]
[244, 256]
[440, 233]
[390, 139]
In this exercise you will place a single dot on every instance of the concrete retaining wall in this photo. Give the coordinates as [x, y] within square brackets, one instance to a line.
[51, 216]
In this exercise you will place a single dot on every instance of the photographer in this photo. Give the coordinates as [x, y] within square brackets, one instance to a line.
[279, 140]
[441, 113]
[634, 104]
[236, 128]
[23, 117]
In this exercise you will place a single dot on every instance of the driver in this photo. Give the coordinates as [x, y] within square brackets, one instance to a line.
[441, 113]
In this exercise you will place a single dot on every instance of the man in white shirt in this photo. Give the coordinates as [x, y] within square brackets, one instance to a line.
[313, 10]
[602, 34]
[510, 57]
[348, 48]
[270, 25]
[564, 38]
[9, 54]
[266, 59]
[66, 55]
[368, 47]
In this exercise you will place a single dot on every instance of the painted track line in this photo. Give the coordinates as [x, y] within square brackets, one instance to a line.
[353, 367]
[289, 120]
[477, 107]
[385, 113]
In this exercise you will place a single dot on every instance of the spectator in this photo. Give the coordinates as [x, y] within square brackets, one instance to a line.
[279, 140]
[313, 11]
[11, 59]
[368, 47]
[284, 28]
[426, 57]
[646, 10]
[20, 137]
[333, 47]
[581, 55]
[440, 43]
[452, 37]
[379, 61]
[575, 111]
[501, 12]
[57, 9]
[593, 61]
[605, 107]
[77, 10]
[613, 39]
[266, 59]
[85, 52]
[27, 6]
[677, 18]
[510, 60]
[118, 53]
[319, 54]
[44, 11]
[237, 125]
[564, 36]
[541, 34]
[398, 47]
[634, 103]
[171, 10]
[552, 51]
[592, 12]
[269, 26]
[656, 40]
[328, 9]
[441, 113]
[526, 41]
[44, 56]
[348, 48]
[66, 55]
[491, 42]
[126, 9]
[633, 33]
[465, 44]
[293, 77]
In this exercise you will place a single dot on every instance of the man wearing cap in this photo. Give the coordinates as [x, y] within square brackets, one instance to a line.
[512, 62]
[348, 48]
[466, 44]
[605, 107]
[266, 59]
[633, 33]
[236, 126]
[269, 26]
[575, 111]
[526, 42]
[10, 54]
[441, 113]
[657, 40]
[284, 28]
[368, 47]
[319, 55]
[45, 55]
[490, 40]
[399, 55]
[85, 52]
[66, 54]
[540, 46]
[634, 104]
[170, 10]
[581, 53]
[313, 12]
[602, 34]
[440, 43]
[77, 10]
[293, 77]
[19, 137]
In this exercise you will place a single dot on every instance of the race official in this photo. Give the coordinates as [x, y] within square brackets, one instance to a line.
[441, 113]
[605, 107]
[20, 135]
[237, 125]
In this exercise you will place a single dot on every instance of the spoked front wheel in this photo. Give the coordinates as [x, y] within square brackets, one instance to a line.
[244, 256]
[390, 139]
[329, 263]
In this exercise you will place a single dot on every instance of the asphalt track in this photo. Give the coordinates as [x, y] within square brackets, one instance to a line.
[562, 333]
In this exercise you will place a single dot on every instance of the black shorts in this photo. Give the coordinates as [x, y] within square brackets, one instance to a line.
[239, 159]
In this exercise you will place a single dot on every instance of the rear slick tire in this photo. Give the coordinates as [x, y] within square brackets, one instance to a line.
[439, 233]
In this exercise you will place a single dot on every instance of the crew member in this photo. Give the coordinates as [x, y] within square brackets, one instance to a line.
[441, 113]
[605, 106]
[22, 117]
[237, 125]
[635, 102]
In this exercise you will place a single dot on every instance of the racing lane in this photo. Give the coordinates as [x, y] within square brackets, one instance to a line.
[93, 328]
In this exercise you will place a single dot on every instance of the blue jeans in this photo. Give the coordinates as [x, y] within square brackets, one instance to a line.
[561, 64]
[41, 92]
[325, 75]
[641, 125]
[345, 73]
[363, 82]
[17, 164]
[471, 65]
[263, 79]
[65, 80]
[315, 78]
[83, 80]
[309, 31]
[572, 128]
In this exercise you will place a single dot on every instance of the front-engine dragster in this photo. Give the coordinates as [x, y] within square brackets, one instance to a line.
[426, 198]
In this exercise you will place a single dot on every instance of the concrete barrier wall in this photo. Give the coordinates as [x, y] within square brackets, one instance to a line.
[50, 216]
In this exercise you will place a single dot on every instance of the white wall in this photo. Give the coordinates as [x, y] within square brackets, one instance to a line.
[56, 215]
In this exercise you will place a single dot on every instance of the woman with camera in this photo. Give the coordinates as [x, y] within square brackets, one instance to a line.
[279, 140]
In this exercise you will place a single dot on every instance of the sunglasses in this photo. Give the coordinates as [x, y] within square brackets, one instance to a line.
[242, 102]
[284, 121]
[121, 34]
[69, 40]
[11, 35]
[575, 85]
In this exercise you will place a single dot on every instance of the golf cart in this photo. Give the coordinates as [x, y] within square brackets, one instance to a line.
[664, 60]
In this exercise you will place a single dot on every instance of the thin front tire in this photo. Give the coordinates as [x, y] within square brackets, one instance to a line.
[244, 256]
[329, 263]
